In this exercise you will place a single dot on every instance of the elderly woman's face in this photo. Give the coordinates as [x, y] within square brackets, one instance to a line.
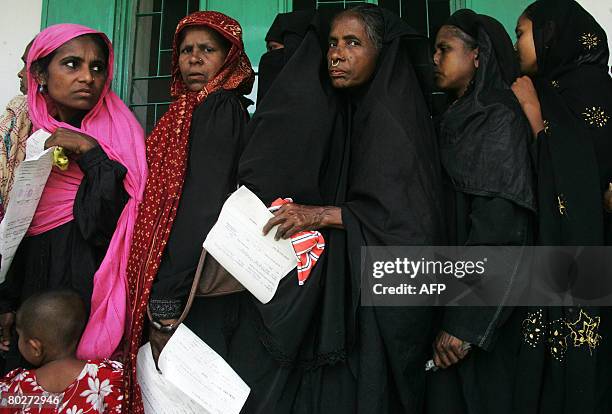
[525, 46]
[351, 57]
[455, 63]
[201, 56]
[75, 77]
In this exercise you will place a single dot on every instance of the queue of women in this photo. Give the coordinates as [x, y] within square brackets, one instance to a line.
[521, 156]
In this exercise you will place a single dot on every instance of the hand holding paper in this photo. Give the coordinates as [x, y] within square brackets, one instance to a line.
[236, 241]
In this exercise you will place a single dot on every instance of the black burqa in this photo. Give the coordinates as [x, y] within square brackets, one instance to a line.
[574, 169]
[289, 30]
[490, 200]
[375, 157]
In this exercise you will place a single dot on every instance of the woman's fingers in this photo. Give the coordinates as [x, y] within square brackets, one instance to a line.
[273, 222]
[285, 231]
[448, 350]
[443, 360]
[292, 219]
[437, 361]
[71, 141]
[452, 355]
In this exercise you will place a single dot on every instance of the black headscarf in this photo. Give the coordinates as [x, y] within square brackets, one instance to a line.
[575, 92]
[484, 136]
[375, 158]
[566, 37]
[289, 30]
[393, 198]
[472, 24]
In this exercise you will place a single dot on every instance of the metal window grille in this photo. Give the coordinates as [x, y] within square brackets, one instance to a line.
[155, 22]
[342, 3]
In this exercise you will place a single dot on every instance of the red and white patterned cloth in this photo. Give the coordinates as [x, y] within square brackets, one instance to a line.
[308, 246]
[97, 389]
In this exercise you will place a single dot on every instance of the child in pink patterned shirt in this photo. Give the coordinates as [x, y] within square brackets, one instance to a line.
[50, 327]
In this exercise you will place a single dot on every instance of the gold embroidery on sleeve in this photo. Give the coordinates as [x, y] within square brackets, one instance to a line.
[533, 328]
[595, 116]
[560, 334]
[557, 339]
[584, 331]
[589, 40]
[562, 204]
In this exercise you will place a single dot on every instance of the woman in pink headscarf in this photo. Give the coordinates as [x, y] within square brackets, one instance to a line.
[80, 235]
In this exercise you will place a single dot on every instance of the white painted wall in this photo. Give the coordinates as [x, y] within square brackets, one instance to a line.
[602, 11]
[19, 23]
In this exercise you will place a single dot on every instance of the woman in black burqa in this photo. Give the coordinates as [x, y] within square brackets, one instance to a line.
[490, 200]
[282, 40]
[566, 94]
[361, 164]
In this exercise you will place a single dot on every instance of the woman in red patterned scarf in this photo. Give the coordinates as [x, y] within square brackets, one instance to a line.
[192, 155]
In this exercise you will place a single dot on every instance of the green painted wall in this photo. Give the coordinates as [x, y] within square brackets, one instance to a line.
[506, 11]
[97, 14]
[255, 17]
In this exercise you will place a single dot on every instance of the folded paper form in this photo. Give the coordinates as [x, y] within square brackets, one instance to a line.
[193, 379]
[236, 241]
[28, 184]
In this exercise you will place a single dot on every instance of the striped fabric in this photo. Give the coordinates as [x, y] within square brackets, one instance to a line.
[308, 246]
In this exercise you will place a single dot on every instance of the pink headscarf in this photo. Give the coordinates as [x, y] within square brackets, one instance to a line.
[117, 131]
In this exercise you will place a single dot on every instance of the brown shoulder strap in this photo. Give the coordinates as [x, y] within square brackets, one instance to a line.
[192, 292]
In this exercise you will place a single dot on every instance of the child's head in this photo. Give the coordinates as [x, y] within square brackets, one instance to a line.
[50, 325]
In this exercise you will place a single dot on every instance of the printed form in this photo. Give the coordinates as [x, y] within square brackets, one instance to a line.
[28, 185]
[236, 241]
[193, 379]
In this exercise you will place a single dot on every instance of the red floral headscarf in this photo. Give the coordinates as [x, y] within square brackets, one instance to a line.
[167, 154]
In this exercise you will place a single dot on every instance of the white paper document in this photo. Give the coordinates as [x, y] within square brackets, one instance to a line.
[28, 184]
[236, 241]
[193, 379]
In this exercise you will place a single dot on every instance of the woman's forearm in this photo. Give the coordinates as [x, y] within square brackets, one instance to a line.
[332, 217]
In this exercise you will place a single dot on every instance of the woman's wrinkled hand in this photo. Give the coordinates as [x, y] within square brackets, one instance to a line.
[293, 218]
[448, 350]
[72, 141]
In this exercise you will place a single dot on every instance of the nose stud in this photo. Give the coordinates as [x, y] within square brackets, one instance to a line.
[335, 64]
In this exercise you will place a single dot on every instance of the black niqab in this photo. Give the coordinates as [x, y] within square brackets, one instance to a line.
[288, 29]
